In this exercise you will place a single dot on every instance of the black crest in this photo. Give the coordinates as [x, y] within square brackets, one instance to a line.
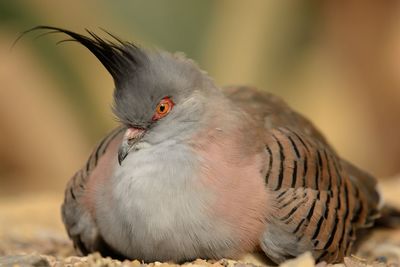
[119, 57]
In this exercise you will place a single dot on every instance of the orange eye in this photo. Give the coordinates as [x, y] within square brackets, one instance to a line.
[163, 108]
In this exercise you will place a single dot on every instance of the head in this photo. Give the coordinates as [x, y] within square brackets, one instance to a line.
[157, 96]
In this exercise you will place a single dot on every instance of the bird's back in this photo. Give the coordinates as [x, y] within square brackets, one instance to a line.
[321, 200]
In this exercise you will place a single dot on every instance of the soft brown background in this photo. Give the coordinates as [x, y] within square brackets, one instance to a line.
[337, 62]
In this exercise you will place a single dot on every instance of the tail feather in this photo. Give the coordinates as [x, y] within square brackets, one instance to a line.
[368, 185]
[390, 217]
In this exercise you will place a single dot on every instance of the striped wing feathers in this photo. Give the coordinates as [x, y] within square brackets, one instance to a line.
[321, 200]
[76, 215]
[316, 201]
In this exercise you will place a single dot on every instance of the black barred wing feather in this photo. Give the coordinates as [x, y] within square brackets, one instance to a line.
[318, 205]
[320, 199]
[76, 214]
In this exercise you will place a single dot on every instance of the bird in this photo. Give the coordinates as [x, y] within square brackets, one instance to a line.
[195, 170]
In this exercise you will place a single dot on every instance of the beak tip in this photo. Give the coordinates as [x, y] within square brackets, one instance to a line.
[131, 136]
[121, 156]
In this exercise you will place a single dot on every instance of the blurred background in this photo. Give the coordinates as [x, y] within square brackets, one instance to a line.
[336, 62]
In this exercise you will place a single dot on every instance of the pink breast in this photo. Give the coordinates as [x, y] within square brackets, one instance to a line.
[233, 174]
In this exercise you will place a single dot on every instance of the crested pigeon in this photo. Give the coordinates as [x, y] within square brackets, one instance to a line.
[198, 171]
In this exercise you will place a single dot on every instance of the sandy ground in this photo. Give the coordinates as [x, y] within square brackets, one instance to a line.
[32, 234]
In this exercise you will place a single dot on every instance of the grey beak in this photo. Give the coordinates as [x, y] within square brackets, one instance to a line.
[123, 151]
[131, 137]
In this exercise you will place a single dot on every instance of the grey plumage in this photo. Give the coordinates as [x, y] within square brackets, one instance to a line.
[225, 171]
[161, 75]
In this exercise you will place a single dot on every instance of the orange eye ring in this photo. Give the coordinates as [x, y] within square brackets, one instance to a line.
[163, 108]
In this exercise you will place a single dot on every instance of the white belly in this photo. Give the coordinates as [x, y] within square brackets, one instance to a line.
[155, 208]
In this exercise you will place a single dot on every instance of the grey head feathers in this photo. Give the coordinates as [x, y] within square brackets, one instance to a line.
[142, 77]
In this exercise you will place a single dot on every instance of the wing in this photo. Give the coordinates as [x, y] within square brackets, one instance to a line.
[271, 111]
[77, 209]
[320, 200]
